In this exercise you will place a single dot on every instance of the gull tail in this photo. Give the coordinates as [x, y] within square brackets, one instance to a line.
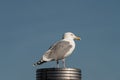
[39, 63]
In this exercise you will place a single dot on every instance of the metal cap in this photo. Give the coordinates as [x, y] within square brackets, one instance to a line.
[58, 74]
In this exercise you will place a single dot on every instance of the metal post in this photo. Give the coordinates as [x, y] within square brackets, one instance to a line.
[58, 74]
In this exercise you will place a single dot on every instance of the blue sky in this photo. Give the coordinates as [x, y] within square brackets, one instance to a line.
[29, 27]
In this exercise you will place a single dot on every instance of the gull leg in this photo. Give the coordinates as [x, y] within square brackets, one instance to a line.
[63, 61]
[57, 63]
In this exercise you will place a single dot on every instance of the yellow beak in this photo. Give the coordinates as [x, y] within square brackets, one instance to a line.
[77, 38]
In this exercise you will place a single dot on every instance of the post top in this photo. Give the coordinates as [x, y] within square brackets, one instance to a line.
[58, 69]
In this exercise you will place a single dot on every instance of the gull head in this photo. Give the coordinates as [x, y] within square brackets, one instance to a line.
[70, 35]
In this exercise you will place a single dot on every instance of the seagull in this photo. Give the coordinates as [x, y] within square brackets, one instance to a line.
[60, 50]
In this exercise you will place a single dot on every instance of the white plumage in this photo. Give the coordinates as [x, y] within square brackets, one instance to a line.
[60, 50]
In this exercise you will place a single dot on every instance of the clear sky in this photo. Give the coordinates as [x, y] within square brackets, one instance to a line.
[29, 27]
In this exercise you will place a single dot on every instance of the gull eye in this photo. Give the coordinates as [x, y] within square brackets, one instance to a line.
[72, 35]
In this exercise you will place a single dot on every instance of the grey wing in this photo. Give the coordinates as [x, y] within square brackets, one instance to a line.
[58, 50]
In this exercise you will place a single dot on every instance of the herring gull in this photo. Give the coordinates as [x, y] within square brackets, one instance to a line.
[60, 50]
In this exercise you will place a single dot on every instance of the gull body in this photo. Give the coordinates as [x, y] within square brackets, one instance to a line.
[60, 50]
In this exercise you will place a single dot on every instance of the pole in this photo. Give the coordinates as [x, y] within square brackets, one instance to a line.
[58, 74]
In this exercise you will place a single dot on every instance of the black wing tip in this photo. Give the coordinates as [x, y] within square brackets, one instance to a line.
[34, 65]
[38, 63]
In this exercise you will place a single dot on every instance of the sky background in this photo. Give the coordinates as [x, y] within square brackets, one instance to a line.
[29, 27]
